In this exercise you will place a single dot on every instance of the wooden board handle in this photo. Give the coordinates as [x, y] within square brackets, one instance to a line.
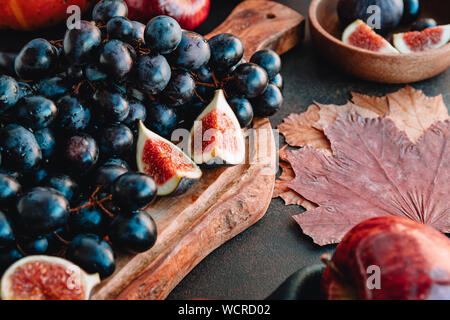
[264, 25]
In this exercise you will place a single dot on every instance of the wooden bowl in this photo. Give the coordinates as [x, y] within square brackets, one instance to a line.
[326, 32]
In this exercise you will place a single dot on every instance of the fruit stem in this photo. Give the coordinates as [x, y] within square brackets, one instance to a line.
[326, 260]
[60, 238]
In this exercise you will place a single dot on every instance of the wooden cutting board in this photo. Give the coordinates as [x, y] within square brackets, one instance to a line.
[226, 201]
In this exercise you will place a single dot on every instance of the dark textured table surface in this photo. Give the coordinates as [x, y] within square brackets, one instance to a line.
[254, 263]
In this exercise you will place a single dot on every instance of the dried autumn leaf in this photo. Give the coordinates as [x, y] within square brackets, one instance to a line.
[375, 171]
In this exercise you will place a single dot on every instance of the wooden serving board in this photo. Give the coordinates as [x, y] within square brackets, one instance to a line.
[226, 201]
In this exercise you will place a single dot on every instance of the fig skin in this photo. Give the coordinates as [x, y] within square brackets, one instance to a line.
[414, 260]
[391, 12]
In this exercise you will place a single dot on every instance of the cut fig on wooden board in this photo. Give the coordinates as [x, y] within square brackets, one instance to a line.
[226, 200]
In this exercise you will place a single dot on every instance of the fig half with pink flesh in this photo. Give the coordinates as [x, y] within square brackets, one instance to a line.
[216, 137]
[173, 171]
[360, 35]
[46, 278]
[417, 41]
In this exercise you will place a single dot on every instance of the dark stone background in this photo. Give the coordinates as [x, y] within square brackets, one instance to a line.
[254, 263]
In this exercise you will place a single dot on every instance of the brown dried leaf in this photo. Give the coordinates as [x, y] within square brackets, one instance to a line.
[375, 171]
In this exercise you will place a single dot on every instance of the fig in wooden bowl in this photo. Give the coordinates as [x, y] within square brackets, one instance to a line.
[384, 67]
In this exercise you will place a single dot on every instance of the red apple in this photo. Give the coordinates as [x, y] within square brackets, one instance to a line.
[36, 14]
[413, 261]
[189, 13]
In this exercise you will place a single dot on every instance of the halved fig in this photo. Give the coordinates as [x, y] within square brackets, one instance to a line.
[173, 171]
[360, 35]
[416, 41]
[216, 137]
[46, 278]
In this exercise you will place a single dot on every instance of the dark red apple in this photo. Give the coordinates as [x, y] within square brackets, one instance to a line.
[189, 13]
[389, 258]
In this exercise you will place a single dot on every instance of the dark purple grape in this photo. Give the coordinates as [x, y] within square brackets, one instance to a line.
[120, 28]
[64, 184]
[81, 152]
[423, 24]
[9, 189]
[37, 59]
[36, 112]
[278, 81]
[81, 45]
[8, 256]
[113, 105]
[42, 211]
[242, 109]
[180, 90]
[7, 63]
[88, 220]
[52, 87]
[138, 32]
[47, 142]
[134, 232]
[116, 140]
[152, 73]
[20, 150]
[9, 93]
[269, 60]
[72, 116]
[137, 113]
[269, 102]
[192, 53]
[161, 119]
[133, 191]
[93, 73]
[92, 254]
[35, 246]
[116, 162]
[106, 174]
[115, 59]
[249, 80]
[36, 177]
[105, 10]
[226, 51]
[411, 11]
[162, 34]
[189, 112]
[6, 231]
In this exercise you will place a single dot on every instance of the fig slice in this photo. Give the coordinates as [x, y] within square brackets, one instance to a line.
[46, 278]
[360, 35]
[416, 41]
[216, 137]
[173, 171]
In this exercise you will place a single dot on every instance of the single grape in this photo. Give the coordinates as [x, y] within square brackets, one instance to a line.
[93, 73]
[423, 24]
[92, 254]
[278, 81]
[6, 231]
[152, 73]
[138, 112]
[269, 60]
[249, 80]
[36, 177]
[47, 142]
[52, 87]
[192, 53]
[107, 174]
[180, 89]
[226, 51]
[20, 150]
[133, 191]
[113, 105]
[105, 10]
[138, 32]
[8, 256]
[189, 113]
[162, 34]
[35, 246]
[36, 112]
[134, 232]
[242, 109]
[81, 152]
[9, 189]
[161, 119]
[9, 93]
[72, 116]
[120, 28]
[42, 210]
[116, 59]
[37, 59]
[116, 140]
[64, 184]
[91, 219]
[269, 102]
[116, 162]
[81, 44]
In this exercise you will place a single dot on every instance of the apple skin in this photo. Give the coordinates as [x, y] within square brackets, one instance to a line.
[189, 13]
[36, 14]
[414, 261]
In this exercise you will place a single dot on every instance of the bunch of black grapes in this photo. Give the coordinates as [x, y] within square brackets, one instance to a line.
[68, 124]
